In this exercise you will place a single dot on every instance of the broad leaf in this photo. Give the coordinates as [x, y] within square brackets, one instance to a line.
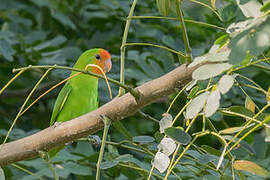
[250, 167]
[2, 174]
[143, 139]
[178, 134]
[165, 122]
[196, 105]
[212, 103]
[161, 162]
[225, 83]
[167, 146]
[250, 8]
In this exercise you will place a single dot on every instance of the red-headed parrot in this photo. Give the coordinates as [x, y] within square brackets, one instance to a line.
[80, 93]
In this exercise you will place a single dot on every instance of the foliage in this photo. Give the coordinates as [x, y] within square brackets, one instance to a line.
[214, 130]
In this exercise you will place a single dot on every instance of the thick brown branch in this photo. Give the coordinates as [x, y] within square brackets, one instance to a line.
[117, 109]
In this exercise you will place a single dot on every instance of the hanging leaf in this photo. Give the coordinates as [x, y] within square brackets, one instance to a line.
[250, 8]
[143, 139]
[165, 122]
[178, 135]
[210, 70]
[6, 50]
[167, 146]
[250, 167]
[161, 162]
[225, 83]
[212, 103]
[233, 130]
[196, 105]
[267, 134]
[249, 104]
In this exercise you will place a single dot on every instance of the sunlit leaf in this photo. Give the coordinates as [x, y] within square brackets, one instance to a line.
[178, 134]
[167, 146]
[143, 139]
[161, 162]
[265, 7]
[164, 6]
[234, 129]
[196, 105]
[250, 8]
[240, 110]
[212, 103]
[225, 83]
[250, 167]
[165, 122]
[193, 92]
[210, 70]
[249, 104]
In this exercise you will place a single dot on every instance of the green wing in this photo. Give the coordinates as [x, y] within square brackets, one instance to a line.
[60, 102]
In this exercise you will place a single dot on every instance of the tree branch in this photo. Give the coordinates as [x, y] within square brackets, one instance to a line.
[117, 109]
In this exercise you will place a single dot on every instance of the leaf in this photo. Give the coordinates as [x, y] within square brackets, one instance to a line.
[196, 105]
[2, 174]
[167, 146]
[143, 139]
[210, 70]
[234, 129]
[250, 167]
[212, 103]
[76, 168]
[268, 96]
[225, 83]
[6, 50]
[193, 92]
[267, 134]
[165, 122]
[240, 110]
[58, 40]
[265, 7]
[178, 135]
[254, 38]
[211, 150]
[164, 7]
[249, 104]
[250, 8]
[161, 162]
[243, 144]
[108, 164]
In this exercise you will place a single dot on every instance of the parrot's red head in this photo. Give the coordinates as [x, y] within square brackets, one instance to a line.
[103, 60]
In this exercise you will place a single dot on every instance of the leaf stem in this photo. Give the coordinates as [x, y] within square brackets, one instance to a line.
[123, 48]
[132, 91]
[185, 35]
[107, 123]
[155, 45]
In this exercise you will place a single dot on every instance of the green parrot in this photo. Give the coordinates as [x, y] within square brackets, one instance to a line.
[80, 93]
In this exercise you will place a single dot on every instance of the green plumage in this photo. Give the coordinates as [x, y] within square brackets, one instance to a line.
[80, 94]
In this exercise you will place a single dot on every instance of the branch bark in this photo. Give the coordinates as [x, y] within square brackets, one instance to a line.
[117, 109]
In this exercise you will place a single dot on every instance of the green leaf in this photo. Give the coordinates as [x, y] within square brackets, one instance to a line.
[143, 139]
[2, 174]
[58, 40]
[178, 135]
[211, 150]
[240, 110]
[250, 167]
[193, 92]
[212, 103]
[76, 168]
[265, 7]
[196, 105]
[6, 50]
[254, 38]
[164, 7]
[108, 164]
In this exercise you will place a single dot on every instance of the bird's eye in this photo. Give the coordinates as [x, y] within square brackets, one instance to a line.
[98, 57]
